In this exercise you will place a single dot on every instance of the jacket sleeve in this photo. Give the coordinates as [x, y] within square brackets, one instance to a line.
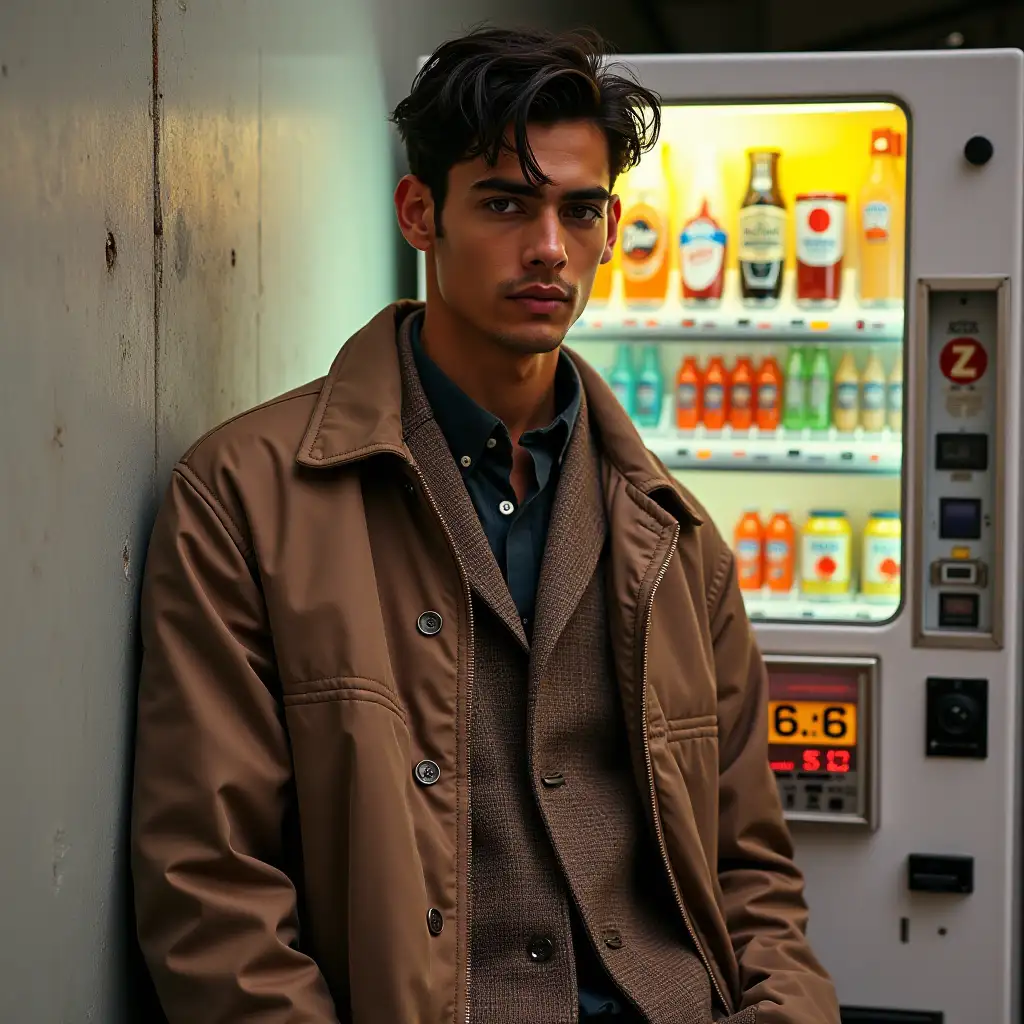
[761, 886]
[216, 910]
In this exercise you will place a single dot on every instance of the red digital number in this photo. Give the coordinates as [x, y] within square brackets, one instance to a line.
[838, 761]
[812, 760]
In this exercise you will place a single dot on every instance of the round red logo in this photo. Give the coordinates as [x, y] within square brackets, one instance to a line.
[818, 219]
[963, 360]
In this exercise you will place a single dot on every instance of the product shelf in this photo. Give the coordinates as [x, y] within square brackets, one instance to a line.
[794, 607]
[732, 321]
[807, 451]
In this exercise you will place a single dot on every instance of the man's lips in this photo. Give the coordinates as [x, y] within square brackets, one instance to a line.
[541, 298]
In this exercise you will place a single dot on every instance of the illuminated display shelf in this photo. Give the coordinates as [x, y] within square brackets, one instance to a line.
[802, 451]
[732, 321]
[762, 606]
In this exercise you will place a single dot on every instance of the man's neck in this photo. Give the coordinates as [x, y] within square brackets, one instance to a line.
[517, 388]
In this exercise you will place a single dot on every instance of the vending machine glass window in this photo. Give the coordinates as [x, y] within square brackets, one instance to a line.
[752, 322]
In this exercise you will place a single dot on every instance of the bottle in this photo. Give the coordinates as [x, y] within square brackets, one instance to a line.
[872, 394]
[622, 379]
[819, 391]
[846, 394]
[793, 404]
[644, 233]
[769, 395]
[688, 388]
[702, 253]
[749, 541]
[779, 553]
[762, 232]
[880, 240]
[741, 395]
[601, 292]
[825, 557]
[716, 393]
[894, 397]
[820, 245]
[880, 574]
[649, 389]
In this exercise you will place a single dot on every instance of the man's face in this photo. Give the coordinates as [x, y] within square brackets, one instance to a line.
[517, 262]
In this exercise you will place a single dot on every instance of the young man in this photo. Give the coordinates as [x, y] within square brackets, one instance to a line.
[450, 710]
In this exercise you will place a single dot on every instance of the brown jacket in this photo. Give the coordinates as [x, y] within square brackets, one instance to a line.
[285, 858]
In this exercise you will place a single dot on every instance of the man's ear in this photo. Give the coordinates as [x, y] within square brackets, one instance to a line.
[414, 206]
[614, 216]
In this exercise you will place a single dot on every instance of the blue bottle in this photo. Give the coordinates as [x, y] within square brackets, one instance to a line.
[622, 379]
[650, 389]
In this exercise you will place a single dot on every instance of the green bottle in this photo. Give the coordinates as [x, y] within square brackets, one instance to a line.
[650, 388]
[794, 402]
[819, 391]
[622, 379]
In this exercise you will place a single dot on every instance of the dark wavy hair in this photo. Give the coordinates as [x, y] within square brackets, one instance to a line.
[477, 94]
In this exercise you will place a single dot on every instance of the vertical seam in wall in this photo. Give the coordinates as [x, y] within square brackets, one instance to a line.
[156, 112]
[259, 220]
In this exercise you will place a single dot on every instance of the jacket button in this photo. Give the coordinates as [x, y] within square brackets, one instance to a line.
[540, 949]
[429, 623]
[435, 921]
[612, 939]
[553, 780]
[427, 772]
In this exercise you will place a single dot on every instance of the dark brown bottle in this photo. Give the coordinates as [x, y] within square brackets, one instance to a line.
[762, 232]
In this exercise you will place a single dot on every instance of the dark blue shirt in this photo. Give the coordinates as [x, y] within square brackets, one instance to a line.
[516, 533]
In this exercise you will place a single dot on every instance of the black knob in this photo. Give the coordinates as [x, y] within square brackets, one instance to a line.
[978, 150]
[957, 713]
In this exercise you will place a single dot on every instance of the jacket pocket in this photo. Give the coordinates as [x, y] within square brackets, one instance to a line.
[693, 745]
[334, 688]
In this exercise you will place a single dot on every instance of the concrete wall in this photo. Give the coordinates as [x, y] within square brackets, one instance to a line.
[137, 309]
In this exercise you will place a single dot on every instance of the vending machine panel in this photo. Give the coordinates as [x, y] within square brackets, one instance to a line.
[821, 738]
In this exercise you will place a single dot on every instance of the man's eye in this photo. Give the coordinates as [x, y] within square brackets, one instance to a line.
[585, 213]
[502, 205]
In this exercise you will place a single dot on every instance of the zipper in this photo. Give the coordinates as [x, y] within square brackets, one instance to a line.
[650, 779]
[464, 577]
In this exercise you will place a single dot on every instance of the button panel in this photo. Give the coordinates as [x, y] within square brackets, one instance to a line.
[958, 525]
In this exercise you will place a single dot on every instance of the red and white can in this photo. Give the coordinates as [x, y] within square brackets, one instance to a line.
[820, 247]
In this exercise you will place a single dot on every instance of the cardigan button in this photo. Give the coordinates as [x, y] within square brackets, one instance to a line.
[540, 949]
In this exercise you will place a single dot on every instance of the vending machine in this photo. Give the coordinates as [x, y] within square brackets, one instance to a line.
[814, 318]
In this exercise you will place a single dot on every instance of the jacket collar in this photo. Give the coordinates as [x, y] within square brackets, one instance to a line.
[358, 413]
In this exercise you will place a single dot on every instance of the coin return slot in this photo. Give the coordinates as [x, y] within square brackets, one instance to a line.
[960, 574]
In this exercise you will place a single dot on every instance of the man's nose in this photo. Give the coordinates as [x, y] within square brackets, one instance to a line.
[547, 244]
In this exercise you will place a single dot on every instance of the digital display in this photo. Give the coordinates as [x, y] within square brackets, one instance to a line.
[812, 722]
[961, 452]
[960, 518]
[831, 761]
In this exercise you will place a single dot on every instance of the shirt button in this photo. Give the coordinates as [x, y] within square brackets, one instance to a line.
[612, 939]
[427, 772]
[429, 623]
[435, 921]
[492, 442]
[540, 949]
[466, 461]
[506, 508]
[553, 780]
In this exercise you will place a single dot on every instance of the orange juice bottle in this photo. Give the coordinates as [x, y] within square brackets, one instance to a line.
[749, 541]
[644, 234]
[716, 394]
[688, 394]
[741, 395]
[880, 238]
[779, 553]
[769, 395]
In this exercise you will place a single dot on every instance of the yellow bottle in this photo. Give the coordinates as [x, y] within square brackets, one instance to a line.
[826, 544]
[880, 238]
[846, 394]
[604, 282]
[880, 575]
[872, 394]
[645, 235]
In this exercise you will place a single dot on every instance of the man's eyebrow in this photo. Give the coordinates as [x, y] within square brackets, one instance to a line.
[522, 188]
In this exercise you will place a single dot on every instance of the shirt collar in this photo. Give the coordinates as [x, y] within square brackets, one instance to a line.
[467, 426]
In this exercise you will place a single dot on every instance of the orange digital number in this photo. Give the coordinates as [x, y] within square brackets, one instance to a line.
[808, 721]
